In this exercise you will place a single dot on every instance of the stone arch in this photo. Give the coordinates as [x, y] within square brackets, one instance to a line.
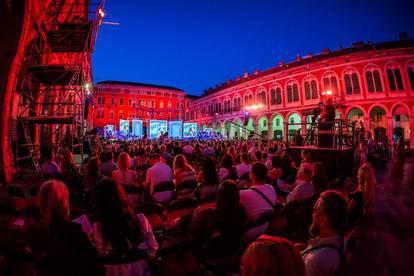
[401, 122]
[378, 121]
[295, 118]
[277, 126]
[262, 125]
[236, 129]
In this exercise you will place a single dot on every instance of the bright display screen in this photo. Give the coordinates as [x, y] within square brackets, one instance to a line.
[175, 129]
[189, 130]
[157, 128]
[137, 128]
[124, 127]
[109, 131]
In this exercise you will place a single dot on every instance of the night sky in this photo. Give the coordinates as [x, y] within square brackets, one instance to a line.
[196, 44]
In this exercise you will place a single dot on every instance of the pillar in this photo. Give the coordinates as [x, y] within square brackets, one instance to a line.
[390, 127]
[269, 129]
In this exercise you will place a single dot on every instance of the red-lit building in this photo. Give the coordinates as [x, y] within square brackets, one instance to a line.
[374, 83]
[116, 100]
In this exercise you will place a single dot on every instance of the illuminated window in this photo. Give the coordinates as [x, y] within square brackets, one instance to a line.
[292, 91]
[261, 97]
[169, 104]
[161, 104]
[275, 95]
[311, 90]
[330, 82]
[373, 79]
[120, 115]
[113, 101]
[111, 114]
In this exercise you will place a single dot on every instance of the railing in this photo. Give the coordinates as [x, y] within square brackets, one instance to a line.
[337, 134]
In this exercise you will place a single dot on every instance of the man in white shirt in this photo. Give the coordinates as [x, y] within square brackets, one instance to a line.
[324, 253]
[159, 172]
[259, 199]
[244, 167]
[304, 187]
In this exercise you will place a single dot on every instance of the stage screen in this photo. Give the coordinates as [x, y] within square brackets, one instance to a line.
[137, 128]
[175, 129]
[157, 128]
[109, 131]
[189, 130]
[124, 127]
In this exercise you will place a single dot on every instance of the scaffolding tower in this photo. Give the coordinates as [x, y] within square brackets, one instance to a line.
[53, 114]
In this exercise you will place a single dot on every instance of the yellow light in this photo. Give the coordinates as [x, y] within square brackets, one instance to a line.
[328, 92]
[86, 85]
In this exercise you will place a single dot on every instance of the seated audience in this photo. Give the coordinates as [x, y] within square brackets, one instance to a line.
[70, 174]
[207, 177]
[182, 170]
[276, 172]
[225, 221]
[159, 172]
[93, 176]
[303, 186]
[319, 177]
[227, 170]
[123, 175]
[109, 166]
[49, 168]
[118, 229]
[272, 256]
[324, 253]
[259, 199]
[244, 167]
[60, 245]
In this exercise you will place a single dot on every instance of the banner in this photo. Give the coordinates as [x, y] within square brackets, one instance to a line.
[137, 128]
[157, 128]
[175, 129]
[189, 130]
[124, 127]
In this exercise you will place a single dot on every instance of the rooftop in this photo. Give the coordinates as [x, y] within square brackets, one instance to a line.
[326, 54]
[139, 84]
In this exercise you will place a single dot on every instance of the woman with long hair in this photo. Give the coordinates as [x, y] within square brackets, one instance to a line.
[225, 220]
[362, 200]
[60, 243]
[117, 229]
[124, 175]
[182, 170]
[227, 170]
[272, 256]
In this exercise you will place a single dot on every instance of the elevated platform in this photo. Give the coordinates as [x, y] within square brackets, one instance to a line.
[56, 74]
[70, 37]
[52, 119]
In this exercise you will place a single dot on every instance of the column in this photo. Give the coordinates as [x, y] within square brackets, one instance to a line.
[303, 125]
[390, 127]
[269, 129]
[255, 129]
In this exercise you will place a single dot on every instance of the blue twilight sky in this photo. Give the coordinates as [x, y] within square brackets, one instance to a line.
[196, 44]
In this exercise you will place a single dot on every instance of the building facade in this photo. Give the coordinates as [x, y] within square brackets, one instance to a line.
[374, 83]
[115, 100]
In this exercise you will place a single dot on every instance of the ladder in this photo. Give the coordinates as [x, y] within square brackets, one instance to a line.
[31, 147]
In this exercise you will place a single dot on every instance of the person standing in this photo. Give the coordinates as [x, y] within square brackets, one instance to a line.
[397, 172]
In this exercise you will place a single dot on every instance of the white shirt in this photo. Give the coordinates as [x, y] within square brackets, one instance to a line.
[127, 177]
[158, 173]
[255, 205]
[324, 261]
[242, 169]
[302, 191]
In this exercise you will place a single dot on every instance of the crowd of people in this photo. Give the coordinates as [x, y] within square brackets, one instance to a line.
[254, 208]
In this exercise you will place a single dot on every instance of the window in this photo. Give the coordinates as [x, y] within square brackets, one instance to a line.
[275, 95]
[410, 72]
[130, 102]
[237, 104]
[330, 82]
[113, 101]
[227, 106]
[277, 122]
[292, 91]
[311, 89]
[373, 79]
[351, 83]
[394, 78]
[261, 97]
[121, 101]
[248, 99]
[161, 104]
[152, 103]
[169, 104]
[111, 114]
[99, 100]
[120, 115]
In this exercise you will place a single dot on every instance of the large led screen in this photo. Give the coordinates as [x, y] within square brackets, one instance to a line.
[157, 128]
[124, 127]
[137, 128]
[189, 130]
[175, 129]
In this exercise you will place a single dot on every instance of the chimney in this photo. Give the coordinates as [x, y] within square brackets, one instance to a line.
[403, 36]
[326, 51]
